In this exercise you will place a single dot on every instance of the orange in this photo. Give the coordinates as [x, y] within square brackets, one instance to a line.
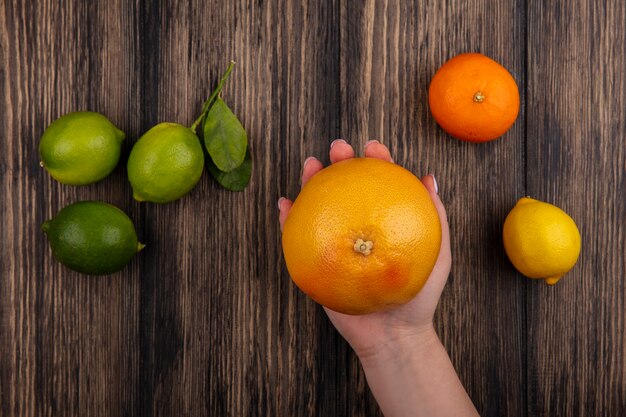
[362, 236]
[474, 98]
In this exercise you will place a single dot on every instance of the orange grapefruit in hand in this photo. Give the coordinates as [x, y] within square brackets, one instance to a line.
[473, 98]
[362, 236]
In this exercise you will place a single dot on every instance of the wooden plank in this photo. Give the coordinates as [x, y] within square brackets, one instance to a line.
[66, 341]
[389, 52]
[206, 320]
[223, 330]
[576, 160]
[196, 330]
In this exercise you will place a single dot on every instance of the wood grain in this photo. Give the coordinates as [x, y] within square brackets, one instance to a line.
[222, 328]
[67, 342]
[389, 54]
[576, 160]
[205, 321]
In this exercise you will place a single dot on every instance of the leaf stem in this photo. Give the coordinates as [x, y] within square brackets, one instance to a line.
[209, 102]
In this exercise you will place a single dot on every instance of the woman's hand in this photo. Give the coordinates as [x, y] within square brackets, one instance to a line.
[407, 367]
[384, 332]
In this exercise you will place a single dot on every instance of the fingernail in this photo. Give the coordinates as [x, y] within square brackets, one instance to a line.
[369, 142]
[280, 202]
[336, 141]
[306, 161]
[435, 183]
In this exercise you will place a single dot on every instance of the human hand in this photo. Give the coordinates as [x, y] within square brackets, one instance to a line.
[390, 331]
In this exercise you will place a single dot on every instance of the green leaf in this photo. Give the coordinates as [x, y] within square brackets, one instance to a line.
[238, 178]
[224, 137]
[207, 104]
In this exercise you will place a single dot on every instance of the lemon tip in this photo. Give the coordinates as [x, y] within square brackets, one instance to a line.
[526, 200]
[552, 280]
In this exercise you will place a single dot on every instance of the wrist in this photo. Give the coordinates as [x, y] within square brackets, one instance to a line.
[400, 347]
[413, 375]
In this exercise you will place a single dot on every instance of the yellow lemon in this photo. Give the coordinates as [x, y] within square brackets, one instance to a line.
[541, 240]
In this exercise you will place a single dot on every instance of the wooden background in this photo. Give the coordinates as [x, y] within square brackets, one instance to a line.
[206, 322]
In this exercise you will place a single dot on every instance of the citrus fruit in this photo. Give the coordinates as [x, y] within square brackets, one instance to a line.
[473, 98]
[362, 236]
[92, 237]
[165, 163]
[80, 148]
[541, 240]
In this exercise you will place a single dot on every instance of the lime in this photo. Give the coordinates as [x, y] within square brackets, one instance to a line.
[92, 237]
[165, 163]
[80, 148]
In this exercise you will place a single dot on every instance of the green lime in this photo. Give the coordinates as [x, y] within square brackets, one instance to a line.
[80, 148]
[92, 237]
[165, 163]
